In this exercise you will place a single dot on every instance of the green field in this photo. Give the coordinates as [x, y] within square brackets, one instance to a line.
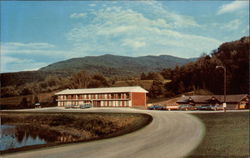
[227, 135]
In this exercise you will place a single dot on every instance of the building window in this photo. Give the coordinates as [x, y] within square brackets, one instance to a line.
[126, 96]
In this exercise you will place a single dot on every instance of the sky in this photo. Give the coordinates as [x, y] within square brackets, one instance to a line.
[37, 33]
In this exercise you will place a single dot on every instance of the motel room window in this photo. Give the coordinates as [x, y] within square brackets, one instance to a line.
[127, 103]
[126, 96]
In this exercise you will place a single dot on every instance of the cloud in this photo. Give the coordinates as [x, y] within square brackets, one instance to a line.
[133, 29]
[122, 31]
[77, 15]
[12, 64]
[45, 49]
[176, 20]
[246, 30]
[232, 25]
[16, 56]
[233, 6]
[14, 45]
[134, 43]
[92, 5]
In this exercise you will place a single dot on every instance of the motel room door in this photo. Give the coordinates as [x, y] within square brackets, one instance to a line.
[97, 103]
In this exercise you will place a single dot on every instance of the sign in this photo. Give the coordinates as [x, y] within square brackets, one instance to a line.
[224, 105]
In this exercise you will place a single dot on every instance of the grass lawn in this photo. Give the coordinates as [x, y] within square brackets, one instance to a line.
[227, 135]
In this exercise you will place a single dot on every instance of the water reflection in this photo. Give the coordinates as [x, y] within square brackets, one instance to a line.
[26, 135]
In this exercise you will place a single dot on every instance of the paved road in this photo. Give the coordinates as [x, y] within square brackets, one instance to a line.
[171, 134]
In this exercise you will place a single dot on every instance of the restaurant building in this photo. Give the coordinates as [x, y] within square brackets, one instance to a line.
[104, 97]
[238, 101]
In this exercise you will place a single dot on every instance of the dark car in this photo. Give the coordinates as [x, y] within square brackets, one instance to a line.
[156, 107]
[187, 107]
[84, 106]
[205, 107]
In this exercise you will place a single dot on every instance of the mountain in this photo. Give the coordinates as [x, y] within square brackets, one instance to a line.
[109, 65]
[117, 65]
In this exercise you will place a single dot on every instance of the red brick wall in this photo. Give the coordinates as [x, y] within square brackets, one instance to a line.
[138, 99]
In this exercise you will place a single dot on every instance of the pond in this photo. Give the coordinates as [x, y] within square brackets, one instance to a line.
[18, 136]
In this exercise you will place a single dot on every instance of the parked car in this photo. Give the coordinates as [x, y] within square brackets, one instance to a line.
[67, 106]
[156, 107]
[218, 107]
[84, 106]
[37, 104]
[172, 107]
[205, 107]
[187, 107]
[75, 106]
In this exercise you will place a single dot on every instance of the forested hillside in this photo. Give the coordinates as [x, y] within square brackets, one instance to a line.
[203, 74]
[107, 64]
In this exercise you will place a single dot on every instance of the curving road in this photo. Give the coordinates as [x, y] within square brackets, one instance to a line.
[170, 134]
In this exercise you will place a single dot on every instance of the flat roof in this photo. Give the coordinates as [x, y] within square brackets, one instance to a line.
[103, 90]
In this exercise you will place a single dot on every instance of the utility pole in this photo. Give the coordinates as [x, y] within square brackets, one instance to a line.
[225, 86]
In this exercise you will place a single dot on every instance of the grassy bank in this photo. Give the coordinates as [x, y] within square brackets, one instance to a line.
[227, 135]
[76, 127]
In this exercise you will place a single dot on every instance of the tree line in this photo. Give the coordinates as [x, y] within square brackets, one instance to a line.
[202, 74]
[81, 79]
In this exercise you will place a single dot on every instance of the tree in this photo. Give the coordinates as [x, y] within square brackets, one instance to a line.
[156, 89]
[36, 99]
[155, 76]
[181, 87]
[80, 80]
[26, 91]
[9, 91]
[143, 76]
[52, 81]
[24, 102]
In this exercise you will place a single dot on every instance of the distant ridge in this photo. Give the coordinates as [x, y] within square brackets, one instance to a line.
[108, 65]
[113, 64]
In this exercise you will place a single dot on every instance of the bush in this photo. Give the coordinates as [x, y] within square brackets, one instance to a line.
[9, 91]
[24, 103]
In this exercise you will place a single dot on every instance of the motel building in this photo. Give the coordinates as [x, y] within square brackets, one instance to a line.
[103, 97]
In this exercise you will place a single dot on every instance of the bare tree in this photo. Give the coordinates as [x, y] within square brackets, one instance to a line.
[80, 80]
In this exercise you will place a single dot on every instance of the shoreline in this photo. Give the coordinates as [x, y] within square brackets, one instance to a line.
[120, 124]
